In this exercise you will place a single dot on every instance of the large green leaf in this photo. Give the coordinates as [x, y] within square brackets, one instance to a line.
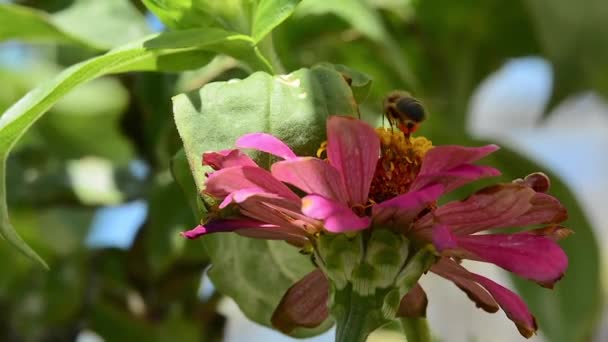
[116, 22]
[293, 107]
[20, 22]
[165, 51]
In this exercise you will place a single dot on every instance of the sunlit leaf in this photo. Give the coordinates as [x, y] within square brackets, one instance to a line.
[144, 55]
[269, 14]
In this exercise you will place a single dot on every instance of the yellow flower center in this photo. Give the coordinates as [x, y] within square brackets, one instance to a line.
[399, 163]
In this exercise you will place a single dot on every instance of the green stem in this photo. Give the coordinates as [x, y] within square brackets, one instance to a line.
[416, 329]
[356, 316]
[266, 49]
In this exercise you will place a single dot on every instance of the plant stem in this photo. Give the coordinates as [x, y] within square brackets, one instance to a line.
[266, 48]
[416, 329]
[356, 316]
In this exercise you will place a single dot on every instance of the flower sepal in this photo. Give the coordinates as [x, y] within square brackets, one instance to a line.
[369, 273]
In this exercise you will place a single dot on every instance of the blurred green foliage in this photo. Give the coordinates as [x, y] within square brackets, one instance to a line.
[115, 106]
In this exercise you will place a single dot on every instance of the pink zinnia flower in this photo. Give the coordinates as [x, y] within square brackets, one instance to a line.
[381, 178]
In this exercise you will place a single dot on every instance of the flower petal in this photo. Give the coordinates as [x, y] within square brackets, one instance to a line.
[285, 213]
[353, 147]
[439, 161]
[337, 217]
[403, 208]
[225, 181]
[511, 304]
[490, 207]
[228, 225]
[443, 238]
[538, 181]
[414, 303]
[545, 209]
[227, 158]
[304, 304]
[455, 177]
[529, 255]
[313, 176]
[266, 143]
[449, 269]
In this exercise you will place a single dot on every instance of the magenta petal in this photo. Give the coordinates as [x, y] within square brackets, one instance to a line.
[529, 255]
[266, 143]
[404, 208]
[224, 226]
[225, 181]
[353, 147]
[313, 176]
[337, 217]
[227, 158]
[545, 209]
[443, 238]
[511, 304]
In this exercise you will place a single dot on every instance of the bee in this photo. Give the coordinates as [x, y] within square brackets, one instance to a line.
[404, 111]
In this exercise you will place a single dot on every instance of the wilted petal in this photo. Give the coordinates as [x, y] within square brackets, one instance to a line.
[529, 255]
[488, 208]
[414, 303]
[304, 304]
[404, 208]
[443, 238]
[281, 212]
[227, 225]
[227, 158]
[353, 147]
[555, 232]
[337, 217]
[223, 182]
[313, 176]
[265, 143]
[544, 209]
[511, 304]
[451, 270]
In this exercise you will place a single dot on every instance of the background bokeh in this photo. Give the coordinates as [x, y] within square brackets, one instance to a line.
[90, 189]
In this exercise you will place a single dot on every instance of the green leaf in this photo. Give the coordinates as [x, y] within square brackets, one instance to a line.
[269, 14]
[292, 107]
[116, 22]
[360, 83]
[148, 54]
[180, 14]
[562, 316]
[23, 23]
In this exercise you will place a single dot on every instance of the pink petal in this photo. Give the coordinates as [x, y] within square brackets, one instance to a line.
[529, 255]
[538, 181]
[450, 165]
[266, 143]
[285, 213]
[511, 304]
[227, 158]
[313, 176]
[449, 269]
[447, 157]
[228, 225]
[304, 304]
[403, 208]
[337, 217]
[353, 147]
[491, 207]
[225, 181]
[455, 177]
